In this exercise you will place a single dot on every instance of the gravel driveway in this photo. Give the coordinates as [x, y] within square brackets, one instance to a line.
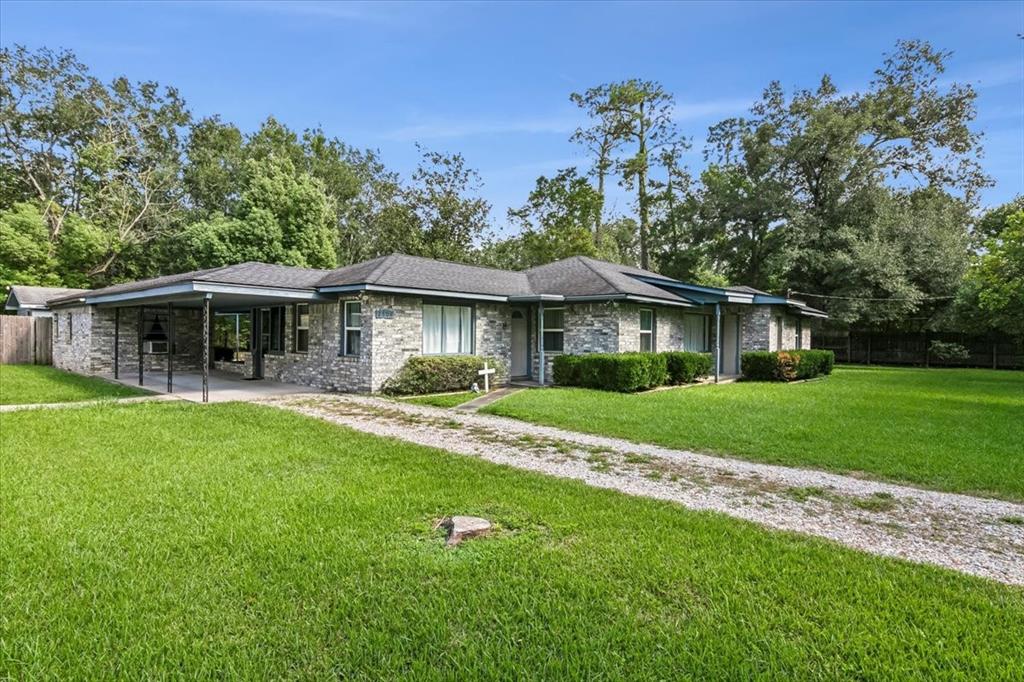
[979, 536]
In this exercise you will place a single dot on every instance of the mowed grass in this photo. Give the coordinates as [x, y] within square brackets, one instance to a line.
[444, 400]
[22, 384]
[957, 430]
[234, 541]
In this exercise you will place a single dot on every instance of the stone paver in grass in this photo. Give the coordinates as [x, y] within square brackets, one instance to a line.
[960, 532]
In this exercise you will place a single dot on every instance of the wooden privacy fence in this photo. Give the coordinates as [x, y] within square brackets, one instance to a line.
[26, 340]
[909, 348]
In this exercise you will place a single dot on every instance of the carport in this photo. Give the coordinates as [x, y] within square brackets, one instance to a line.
[242, 289]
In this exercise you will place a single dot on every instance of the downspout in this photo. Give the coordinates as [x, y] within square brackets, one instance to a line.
[718, 340]
[540, 343]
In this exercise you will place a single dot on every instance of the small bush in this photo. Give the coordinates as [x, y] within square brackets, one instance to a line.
[685, 367]
[942, 350]
[788, 365]
[623, 372]
[436, 374]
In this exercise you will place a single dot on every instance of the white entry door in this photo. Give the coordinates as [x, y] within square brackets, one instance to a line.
[730, 339]
[519, 343]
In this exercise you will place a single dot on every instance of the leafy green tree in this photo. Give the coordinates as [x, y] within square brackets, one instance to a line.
[993, 291]
[213, 174]
[25, 256]
[451, 219]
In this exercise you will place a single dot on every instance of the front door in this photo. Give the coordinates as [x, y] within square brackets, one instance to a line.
[519, 343]
[730, 341]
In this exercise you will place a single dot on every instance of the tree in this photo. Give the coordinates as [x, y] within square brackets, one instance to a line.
[215, 164]
[556, 220]
[993, 292]
[25, 247]
[834, 154]
[602, 138]
[450, 218]
[638, 112]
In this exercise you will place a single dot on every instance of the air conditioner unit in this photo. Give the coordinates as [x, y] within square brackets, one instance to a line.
[154, 347]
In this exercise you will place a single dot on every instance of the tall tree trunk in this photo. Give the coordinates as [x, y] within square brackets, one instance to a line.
[641, 186]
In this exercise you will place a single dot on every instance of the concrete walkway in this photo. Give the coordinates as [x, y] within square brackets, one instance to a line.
[487, 399]
[979, 536]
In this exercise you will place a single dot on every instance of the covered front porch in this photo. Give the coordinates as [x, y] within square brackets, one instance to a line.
[219, 386]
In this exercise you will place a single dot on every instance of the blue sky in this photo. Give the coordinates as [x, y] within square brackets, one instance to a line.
[492, 81]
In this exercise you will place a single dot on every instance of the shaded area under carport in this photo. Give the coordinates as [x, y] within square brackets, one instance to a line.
[222, 386]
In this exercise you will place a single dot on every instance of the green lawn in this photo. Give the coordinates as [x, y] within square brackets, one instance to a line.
[957, 430]
[21, 384]
[237, 541]
[445, 400]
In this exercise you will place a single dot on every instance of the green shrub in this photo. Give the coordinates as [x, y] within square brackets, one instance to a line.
[685, 367]
[943, 350]
[623, 372]
[788, 365]
[436, 374]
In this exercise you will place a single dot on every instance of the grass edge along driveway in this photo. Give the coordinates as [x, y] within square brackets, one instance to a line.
[141, 539]
[26, 384]
[953, 430]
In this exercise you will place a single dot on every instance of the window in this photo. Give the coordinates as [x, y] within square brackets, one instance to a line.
[154, 332]
[277, 326]
[799, 333]
[778, 333]
[554, 329]
[351, 327]
[447, 329]
[646, 330]
[71, 327]
[696, 333]
[300, 319]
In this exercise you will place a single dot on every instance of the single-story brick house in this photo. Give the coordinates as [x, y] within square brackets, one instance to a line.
[352, 328]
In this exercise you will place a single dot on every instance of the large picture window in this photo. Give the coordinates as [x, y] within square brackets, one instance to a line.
[647, 330]
[447, 329]
[696, 333]
[554, 329]
[300, 339]
[351, 327]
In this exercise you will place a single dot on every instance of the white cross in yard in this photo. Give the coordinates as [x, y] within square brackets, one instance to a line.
[486, 373]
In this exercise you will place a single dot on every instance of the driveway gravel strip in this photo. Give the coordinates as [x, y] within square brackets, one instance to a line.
[979, 536]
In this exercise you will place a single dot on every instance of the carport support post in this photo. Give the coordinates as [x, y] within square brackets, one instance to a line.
[170, 348]
[206, 349]
[117, 341]
[718, 340]
[540, 343]
[140, 344]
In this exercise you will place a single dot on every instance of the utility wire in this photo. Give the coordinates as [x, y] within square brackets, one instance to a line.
[874, 298]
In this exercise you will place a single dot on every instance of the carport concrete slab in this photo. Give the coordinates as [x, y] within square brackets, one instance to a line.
[223, 386]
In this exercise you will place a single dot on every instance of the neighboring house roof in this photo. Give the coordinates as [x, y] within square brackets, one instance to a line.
[35, 298]
[571, 279]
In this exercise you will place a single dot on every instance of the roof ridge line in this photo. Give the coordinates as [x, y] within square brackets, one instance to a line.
[386, 262]
[584, 260]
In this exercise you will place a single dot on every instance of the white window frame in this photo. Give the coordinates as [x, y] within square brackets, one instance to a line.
[297, 327]
[553, 330]
[447, 309]
[345, 328]
[647, 332]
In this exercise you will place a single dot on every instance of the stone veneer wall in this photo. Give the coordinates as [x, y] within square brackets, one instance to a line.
[90, 348]
[391, 333]
[761, 325]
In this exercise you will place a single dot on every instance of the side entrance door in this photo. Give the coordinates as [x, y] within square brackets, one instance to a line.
[730, 344]
[520, 343]
[256, 327]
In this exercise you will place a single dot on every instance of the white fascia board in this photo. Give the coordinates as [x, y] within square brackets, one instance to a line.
[432, 293]
[186, 288]
[659, 301]
[556, 298]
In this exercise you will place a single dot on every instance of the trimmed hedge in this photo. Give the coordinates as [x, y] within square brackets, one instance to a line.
[629, 372]
[436, 374]
[786, 365]
[685, 367]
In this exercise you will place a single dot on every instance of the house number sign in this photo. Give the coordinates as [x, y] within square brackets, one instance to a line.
[384, 313]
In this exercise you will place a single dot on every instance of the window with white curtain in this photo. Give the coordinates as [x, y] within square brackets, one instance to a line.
[447, 329]
[696, 334]
[351, 327]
